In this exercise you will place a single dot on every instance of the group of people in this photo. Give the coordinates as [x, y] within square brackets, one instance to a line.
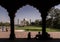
[38, 36]
[3, 28]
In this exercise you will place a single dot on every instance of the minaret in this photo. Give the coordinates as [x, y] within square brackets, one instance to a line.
[18, 22]
[30, 21]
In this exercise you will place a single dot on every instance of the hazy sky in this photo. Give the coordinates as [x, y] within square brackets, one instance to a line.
[28, 12]
[4, 15]
[57, 6]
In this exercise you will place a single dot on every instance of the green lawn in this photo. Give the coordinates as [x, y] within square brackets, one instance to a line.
[35, 28]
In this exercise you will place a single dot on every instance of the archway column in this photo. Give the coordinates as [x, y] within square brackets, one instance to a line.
[45, 35]
[43, 25]
[12, 34]
[43, 14]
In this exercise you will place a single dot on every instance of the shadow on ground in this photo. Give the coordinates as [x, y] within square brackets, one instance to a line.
[30, 40]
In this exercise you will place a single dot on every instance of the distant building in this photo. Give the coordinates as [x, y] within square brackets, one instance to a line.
[24, 22]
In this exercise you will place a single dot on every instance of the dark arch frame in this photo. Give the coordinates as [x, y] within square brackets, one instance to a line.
[42, 5]
[29, 5]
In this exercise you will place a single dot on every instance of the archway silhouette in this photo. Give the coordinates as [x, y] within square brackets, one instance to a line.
[52, 21]
[4, 23]
[42, 5]
[30, 14]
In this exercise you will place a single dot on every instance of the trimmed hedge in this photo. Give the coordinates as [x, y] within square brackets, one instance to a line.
[33, 29]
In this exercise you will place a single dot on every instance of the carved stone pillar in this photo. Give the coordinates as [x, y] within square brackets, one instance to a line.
[43, 14]
[45, 35]
[12, 34]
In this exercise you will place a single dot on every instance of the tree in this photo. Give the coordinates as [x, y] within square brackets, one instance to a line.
[37, 22]
[32, 23]
[55, 17]
[1, 24]
[48, 22]
[52, 14]
[7, 24]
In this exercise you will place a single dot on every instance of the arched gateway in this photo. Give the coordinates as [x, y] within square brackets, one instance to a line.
[42, 5]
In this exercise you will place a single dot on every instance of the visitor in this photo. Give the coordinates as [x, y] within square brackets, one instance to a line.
[38, 36]
[6, 29]
[29, 35]
[2, 28]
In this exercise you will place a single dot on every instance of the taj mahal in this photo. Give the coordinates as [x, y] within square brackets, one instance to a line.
[23, 22]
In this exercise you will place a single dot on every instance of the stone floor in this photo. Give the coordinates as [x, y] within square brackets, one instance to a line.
[23, 34]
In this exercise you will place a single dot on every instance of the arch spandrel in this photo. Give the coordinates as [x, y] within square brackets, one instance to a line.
[40, 4]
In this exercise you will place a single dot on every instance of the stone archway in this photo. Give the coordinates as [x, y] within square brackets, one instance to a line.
[4, 22]
[42, 5]
[29, 13]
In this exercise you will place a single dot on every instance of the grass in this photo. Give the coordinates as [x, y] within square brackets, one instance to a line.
[35, 28]
[29, 28]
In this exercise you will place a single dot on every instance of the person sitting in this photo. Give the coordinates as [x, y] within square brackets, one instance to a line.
[38, 36]
[29, 35]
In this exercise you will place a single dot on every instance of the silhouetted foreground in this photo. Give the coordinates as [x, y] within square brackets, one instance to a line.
[26, 40]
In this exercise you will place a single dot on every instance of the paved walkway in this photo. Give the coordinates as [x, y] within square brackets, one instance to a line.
[23, 34]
